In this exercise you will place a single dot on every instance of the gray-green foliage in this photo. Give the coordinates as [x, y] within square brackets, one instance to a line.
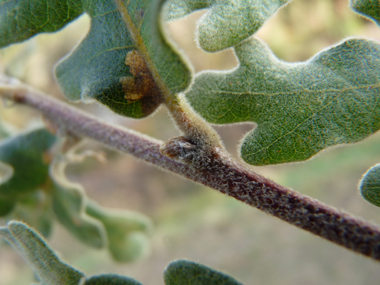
[300, 108]
[109, 279]
[370, 185]
[69, 206]
[47, 265]
[95, 68]
[25, 154]
[127, 231]
[44, 262]
[184, 272]
[51, 270]
[369, 8]
[24, 161]
[228, 22]
[30, 192]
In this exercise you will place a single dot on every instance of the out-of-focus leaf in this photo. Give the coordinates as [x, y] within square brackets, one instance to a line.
[368, 8]
[68, 203]
[26, 154]
[127, 231]
[35, 211]
[109, 279]
[5, 130]
[184, 272]
[370, 185]
[45, 263]
[228, 22]
[6, 206]
[300, 108]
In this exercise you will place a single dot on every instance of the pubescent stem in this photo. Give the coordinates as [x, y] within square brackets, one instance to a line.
[221, 174]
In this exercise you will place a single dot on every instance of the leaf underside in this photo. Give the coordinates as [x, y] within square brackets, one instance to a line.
[370, 185]
[300, 108]
[96, 68]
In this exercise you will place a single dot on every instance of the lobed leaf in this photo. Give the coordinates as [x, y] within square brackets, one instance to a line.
[109, 279]
[184, 272]
[368, 8]
[97, 68]
[300, 108]
[26, 155]
[69, 206]
[228, 22]
[370, 185]
[34, 249]
[127, 231]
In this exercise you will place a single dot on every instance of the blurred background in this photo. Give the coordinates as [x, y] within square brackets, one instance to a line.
[192, 221]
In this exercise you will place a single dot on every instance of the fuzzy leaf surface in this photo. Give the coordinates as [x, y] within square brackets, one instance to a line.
[109, 279]
[25, 154]
[368, 8]
[184, 272]
[43, 260]
[300, 108]
[370, 185]
[228, 22]
[97, 67]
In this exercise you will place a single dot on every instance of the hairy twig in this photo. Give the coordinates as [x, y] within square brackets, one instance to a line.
[216, 171]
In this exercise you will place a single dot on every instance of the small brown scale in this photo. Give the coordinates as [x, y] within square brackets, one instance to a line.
[141, 83]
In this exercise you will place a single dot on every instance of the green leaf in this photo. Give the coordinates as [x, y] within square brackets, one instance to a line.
[370, 185]
[127, 231]
[23, 19]
[26, 154]
[109, 279]
[300, 108]
[368, 8]
[97, 69]
[184, 272]
[34, 249]
[68, 204]
[228, 22]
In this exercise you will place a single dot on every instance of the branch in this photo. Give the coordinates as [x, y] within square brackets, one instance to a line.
[219, 172]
